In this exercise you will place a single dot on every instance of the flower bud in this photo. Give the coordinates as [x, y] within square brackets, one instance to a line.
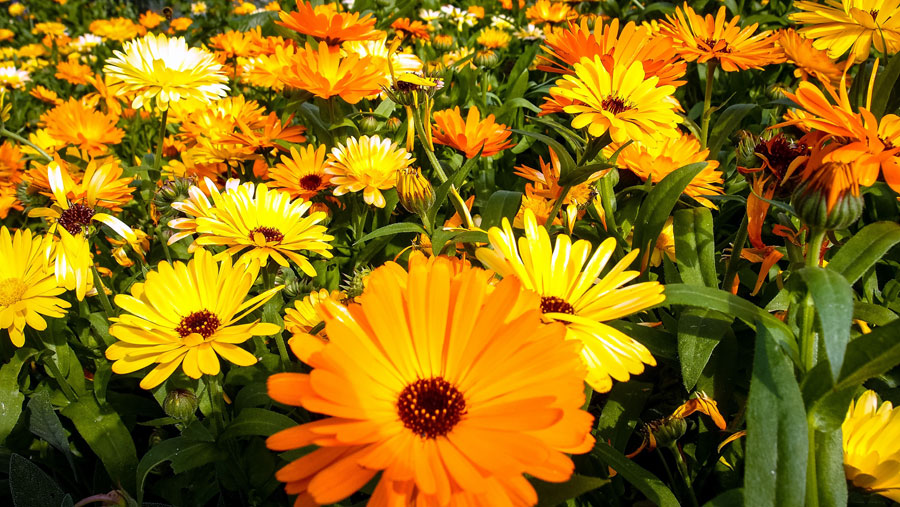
[667, 431]
[487, 58]
[818, 210]
[368, 124]
[180, 404]
[415, 191]
[170, 192]
[442, 42]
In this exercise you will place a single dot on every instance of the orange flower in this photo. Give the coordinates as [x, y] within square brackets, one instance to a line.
[266, 140]
[808, 60]
[325, 74]
[703, 404]
[545, 11]
[472, 135]
[232, 44]
[11, 164]
[303, 173]
[73, 72]
[325, 24]
[118, 29]
[88, 129]
[415, 30]
[546, 182]
[150, 19]
[710, 38]
[45, 95]
[566, 47]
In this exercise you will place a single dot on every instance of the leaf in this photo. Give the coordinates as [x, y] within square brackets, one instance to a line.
[10, 397]
[777, 442]
[833, 300]
[826, 406]
[726, 124]
[870, 355]
[831, 481]
[621, 410]
[392, 229]
[30, 486]
[107, 436]
[699, 331]
[551, 494]
[256, 422]
[658, 205]
[729, 304]
[566, 162]
[695, 246]
[873, 314]
[45, 424]
[581, 174]
[179, 449]
[647, 483]
[884, 86]
[730, 498]
[864, 249]
[502, 204]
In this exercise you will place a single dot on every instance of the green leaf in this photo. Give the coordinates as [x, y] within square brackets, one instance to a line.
[392, 229]
[581, 174]
[10, 397]
[107, 436]
[873, 314]
[777, 442]
[566, 162]
[831, 481]
[870, 355]
[621, 411]
[502, 204]
[657, 207]
[30, 486]
[729, 304]
[45, 424]
[695, 246]
[833, 300]
[727, 123]
[256, 422]
[648, 484]
[864, 249]
[551, 494]
[186, 452]
[730, 498]
[100, 325]
[886, 82]
[699, 331]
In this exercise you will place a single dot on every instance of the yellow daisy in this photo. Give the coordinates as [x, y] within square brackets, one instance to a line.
[871, 437]
[566, 278]
[851, 25]
[27, 287]
[186, 315]
[369, 164]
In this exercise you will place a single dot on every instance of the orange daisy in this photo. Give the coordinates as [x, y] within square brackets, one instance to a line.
[303, 173]
[325, 74]
[90, 130]
[325, 24]
[415, 30]
[471, 135]
[428, 380]
[809, 61]
[73, 72]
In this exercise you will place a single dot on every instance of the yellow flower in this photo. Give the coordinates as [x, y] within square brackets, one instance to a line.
[369, 164]
[12, 77]
[871, 437]
[851, 25]
[303, 173]
[566, 278]
[187, 315]
[625, 102]
[27, 287]
[493, 38]
[167, 69]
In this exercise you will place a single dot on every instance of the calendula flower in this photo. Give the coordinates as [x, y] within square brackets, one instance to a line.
[325, 73]
[711, 38]
[369, 164]
[232, 44]
[871, 446]
[73, 72]
[168, 70]
[414, 190]
[326, 24]
[307, 312]
[547, 11]
[13, 78]
[45, 95]
[494, 38]
[546, 185]
[150, 19]
[28, 289]
[808, 60]
[472, 135]
[850, 25]
[653, 160]
[117, 29]
[187, 315]
[624, 103]
[11, 164]
[379, 51]
[415, 30]
[303, 173]
[413, 374]
[79, 125]
[634, 43]
[567, 277]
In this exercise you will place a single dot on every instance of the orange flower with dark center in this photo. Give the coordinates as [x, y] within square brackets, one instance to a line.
[415, 30]
[471, 135]
[303, 173]
[90, 130]
[703, 39]
[325, 24]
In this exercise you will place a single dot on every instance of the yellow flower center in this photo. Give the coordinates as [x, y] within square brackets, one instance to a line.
[11, 291]
[553, 304]
[431, 407]
[204, 323]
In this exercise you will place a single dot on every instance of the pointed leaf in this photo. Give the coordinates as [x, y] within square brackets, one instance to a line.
[648, 484]
[833, 300]
[695, 246]
[864, 249]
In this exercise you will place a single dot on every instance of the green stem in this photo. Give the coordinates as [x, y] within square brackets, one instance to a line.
[269, 283]
[707, 103]
[558, 204]
[60, 379]
[157, 164]
[808, 338]
[217, 414]
[165, 244]
[812, 482]
[685, 476]
[731, 268]
[104, 299]
[816, 237]
[20, 139]
[458, 202]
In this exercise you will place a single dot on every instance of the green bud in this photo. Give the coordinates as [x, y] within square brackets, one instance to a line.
[180, 404]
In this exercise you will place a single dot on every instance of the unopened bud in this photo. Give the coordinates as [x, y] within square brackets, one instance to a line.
[180, 404]
[415, 191]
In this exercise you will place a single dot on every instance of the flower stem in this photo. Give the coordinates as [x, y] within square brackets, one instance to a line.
[165, 244]
[707, 103]
[60, 379]
[101, 291]
[731, 269]
[812, 483]
[157, 164]
[20, 139]
[685, 476]
[215, 402]
[268, 284]
[808, 338]
[557, 205]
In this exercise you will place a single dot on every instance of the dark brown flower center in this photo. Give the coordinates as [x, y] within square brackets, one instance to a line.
[779, 152]
[888, 145]
[430, 407]
[553, 304]
[311, 182]
[203, 323]
[270, 233]
[615, 105]
[712, 45]
[76, 218]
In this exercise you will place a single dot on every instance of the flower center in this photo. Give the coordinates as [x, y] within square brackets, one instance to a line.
[203, 323]
[11, 291]
[430, 407]
[888, 145]
[311, 182]
[76, 218]
[615, 105]
[553, 304]
[270, 233]
[712, 45]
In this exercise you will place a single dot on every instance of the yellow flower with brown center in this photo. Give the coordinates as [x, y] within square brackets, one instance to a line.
[624, 103]
[710, 38]
[370, 164]
[187, 315]
[871, 440]
[28, 289]
[567, 277]
[167, 70]
[326, 24]
[851, 25]
[494, 38]
[472, 134]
